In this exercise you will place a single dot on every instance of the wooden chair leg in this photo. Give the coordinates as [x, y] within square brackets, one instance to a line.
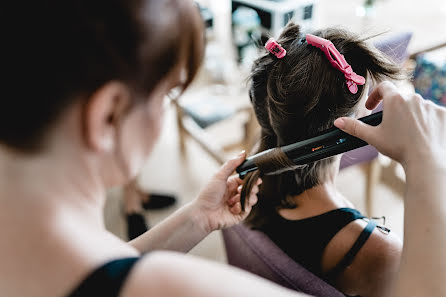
[251, 134]
[181, 130]
[252, 131]
[373, 177]
[196, 133]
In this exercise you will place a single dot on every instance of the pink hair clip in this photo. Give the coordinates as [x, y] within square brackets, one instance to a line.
[274, 48]
[337, 61]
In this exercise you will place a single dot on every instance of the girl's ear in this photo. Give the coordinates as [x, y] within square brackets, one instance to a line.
[103, 114]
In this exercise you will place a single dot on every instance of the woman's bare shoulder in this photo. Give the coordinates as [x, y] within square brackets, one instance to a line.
[374, 266]
[167, 274]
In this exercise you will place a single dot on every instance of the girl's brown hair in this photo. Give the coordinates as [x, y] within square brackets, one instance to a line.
[299, 96]
[58, 52]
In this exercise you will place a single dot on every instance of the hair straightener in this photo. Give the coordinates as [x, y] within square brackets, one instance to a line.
[330, 143]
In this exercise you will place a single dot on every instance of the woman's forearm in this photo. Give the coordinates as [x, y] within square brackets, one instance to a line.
[165, 274]
[423, 265]
[180, 232]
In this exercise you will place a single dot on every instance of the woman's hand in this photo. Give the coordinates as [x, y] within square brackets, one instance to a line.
[413, 132]
[218, 206]
[412, 129]
[219, 202]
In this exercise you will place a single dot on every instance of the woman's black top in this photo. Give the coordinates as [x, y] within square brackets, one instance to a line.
[107, 280]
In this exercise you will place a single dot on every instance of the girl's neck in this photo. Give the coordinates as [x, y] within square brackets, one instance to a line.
[316, 201]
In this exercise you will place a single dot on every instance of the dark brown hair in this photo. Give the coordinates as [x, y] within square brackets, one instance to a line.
[57, 52]
[300, 96]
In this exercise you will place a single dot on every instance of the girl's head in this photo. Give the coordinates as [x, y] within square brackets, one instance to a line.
[102, 66]
[301, 95]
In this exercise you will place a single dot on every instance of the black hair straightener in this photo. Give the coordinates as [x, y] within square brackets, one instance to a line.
[330, 143]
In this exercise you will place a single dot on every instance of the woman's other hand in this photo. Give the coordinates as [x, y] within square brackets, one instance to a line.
[412, 129]
[219, 202]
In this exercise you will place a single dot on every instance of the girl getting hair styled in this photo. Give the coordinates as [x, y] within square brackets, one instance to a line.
[296, 97]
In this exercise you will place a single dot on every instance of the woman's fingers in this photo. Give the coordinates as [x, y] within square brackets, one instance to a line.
[233, 182]
[236, 209]
[357, 128]
[232, 185]
[229, 167]
[379, 92]
[236, 179]
[259, 182]
[248, 208]
[254, 191]
[253, 200]
[233, 200]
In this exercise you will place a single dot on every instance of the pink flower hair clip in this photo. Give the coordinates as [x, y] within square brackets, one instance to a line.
[274, 48]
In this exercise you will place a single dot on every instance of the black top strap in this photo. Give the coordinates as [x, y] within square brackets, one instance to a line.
[313, 233]
[350, 256]
[107, 280]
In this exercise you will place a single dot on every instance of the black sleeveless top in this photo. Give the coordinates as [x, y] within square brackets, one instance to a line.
[107, 280]
[305, 240]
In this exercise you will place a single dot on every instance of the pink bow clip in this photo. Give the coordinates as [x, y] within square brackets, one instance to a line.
[337, 61]
[274, 48]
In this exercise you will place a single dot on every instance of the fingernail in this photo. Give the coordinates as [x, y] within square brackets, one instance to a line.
[239, 188]
[340, 123]
[241, 154]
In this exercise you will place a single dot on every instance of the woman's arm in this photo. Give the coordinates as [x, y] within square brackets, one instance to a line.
[180, 232]
[165, 274]
[423, 264]
[216, 207]
[413, 132]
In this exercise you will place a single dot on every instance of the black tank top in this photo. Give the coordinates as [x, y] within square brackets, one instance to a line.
[305, 240]
[107, 280]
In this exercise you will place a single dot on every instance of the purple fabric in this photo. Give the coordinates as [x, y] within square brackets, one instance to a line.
[253, 251]
[395, 47]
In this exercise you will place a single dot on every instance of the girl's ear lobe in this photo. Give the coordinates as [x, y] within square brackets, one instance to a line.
[103, 115]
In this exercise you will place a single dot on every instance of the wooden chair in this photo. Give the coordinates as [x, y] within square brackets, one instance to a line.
[192, 125]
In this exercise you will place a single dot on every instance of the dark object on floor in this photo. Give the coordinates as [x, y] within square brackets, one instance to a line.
[158, 201]
[136, 225]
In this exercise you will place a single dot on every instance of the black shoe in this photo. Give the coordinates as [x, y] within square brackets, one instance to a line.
[136, 225]
[157, 201]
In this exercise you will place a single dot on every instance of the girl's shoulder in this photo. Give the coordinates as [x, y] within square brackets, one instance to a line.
[373, 266]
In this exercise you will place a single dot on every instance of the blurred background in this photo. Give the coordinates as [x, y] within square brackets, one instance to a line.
[213, 121]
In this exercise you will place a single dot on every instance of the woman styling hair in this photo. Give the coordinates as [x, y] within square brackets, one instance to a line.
[297, 91]
[81, 109]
